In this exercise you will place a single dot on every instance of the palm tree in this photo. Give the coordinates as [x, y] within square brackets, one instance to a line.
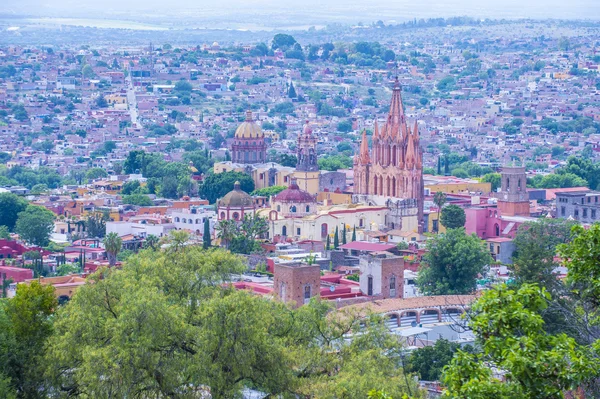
[112, 245]
[227, 230]
[151, 241]
[439, 199]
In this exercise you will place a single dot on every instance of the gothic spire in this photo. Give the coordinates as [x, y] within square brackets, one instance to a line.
[364, 150]
[396, 116]
[376, 130]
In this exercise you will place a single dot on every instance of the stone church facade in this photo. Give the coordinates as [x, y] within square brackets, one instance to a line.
[391, 171]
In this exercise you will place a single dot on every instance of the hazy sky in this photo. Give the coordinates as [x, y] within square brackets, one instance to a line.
[367, 10]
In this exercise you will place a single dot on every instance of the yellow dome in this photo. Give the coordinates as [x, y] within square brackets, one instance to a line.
[249, 129]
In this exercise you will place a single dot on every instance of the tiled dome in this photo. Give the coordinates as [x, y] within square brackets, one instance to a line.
[249, 129]
[236, 198]
[294, 194]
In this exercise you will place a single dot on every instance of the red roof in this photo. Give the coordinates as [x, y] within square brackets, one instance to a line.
[367, 246]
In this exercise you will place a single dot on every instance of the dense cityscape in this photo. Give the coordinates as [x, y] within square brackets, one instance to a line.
[353, 210]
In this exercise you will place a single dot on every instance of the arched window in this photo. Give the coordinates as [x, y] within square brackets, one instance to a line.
[197, 221]
[293, 208]
[324, 230]
[222, 215]
[307, 292]
[284, 231]
[236, 216]
[497, 228]
[190, 221]
[307, 208]
[177, 219]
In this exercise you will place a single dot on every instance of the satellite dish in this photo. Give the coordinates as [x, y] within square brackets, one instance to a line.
[413, 324]
[331, 288]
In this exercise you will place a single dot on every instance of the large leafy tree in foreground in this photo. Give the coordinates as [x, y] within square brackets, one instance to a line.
[168, 325]
[25, 325]
[510, 331]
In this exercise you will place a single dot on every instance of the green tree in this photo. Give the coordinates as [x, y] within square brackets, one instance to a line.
[328, 243]
[344, 234]
[101, 102]
[217, 185]
[95, 224]
[67, 269]
[25, 326]
[453, 217]
[10, 206]
[354, 234]
[536, 245]
[35, 225]
[206, 241]
[334, 162]
[131, 187]
[494, 178]
[268, 191]
[113, 245]
[510, 330]
[452, 264]
[429, 361]
[137, 199]
[282, 41]
[4, 233]
[151, 242]
[226, 231]
[439, 199]
[249, 230]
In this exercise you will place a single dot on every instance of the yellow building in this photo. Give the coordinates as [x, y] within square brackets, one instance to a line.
[454, 185]
[334, 198]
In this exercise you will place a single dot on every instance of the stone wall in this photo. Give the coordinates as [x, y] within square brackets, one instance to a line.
[332, 181]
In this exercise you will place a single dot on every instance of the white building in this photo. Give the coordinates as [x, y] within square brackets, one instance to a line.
[192, 219]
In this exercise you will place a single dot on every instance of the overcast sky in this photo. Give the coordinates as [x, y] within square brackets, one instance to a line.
[386, 9]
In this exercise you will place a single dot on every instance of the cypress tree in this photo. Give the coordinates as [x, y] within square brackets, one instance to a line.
[328, 246]
[439, 172]
[446, 166]
[354, 234]
[344, 234]
[336, 238]
[206, 235]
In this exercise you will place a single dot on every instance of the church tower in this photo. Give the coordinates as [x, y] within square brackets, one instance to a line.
[394, 165]
[307, 151]
[307, 170]
[513, 199]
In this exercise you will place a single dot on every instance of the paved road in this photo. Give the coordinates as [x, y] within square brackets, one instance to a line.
[132, 102]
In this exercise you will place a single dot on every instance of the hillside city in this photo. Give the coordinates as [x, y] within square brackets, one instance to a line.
[365, 211]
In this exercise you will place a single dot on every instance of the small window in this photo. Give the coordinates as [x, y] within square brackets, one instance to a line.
[589, 199]
[593, 214]
[576, 213]
[307, 292]
[562, 211]
[293, 208]
[585, 213]
[298, 231]
[307, 208]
